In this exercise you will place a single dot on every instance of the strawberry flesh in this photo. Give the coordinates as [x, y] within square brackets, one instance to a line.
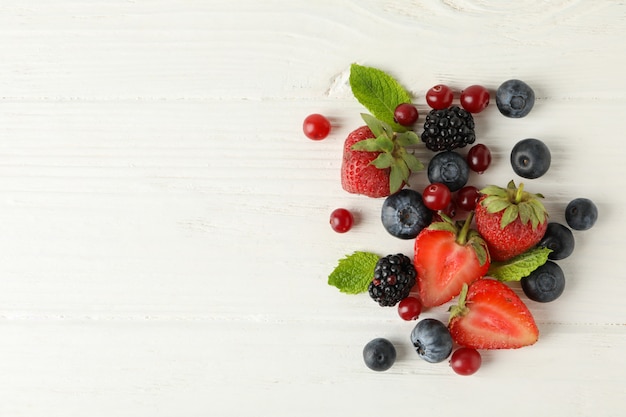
[492, 316]
[443, 266]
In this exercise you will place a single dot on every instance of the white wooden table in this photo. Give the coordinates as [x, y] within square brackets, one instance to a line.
[164, 238]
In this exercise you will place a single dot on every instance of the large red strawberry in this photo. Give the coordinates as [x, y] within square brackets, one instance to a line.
[446, 258]
[510, 219]
[375, 161]
[490, 315]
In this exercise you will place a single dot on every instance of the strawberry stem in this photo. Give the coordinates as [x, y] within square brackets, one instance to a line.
[519, 193]
[461, 238]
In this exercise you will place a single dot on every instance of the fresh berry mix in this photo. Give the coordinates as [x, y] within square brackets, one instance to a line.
[462, 266]
[341, 220]
[448, 129]
[394, 276]
[514, 98]
[316, 127]
[379, 354]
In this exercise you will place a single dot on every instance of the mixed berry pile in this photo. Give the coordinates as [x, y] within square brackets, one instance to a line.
[469, 243]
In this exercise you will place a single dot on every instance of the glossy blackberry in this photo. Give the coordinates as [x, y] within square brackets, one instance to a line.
[394, 276]
[448, 129]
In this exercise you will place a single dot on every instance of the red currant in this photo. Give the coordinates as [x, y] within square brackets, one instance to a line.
[439, 97]
[479, 158]
[437, 196]
[475, 98]
[450, 211]
[405, 114]
[467, 197]
[465, 361]
[316, 127]
[341, 220]
[409, 308]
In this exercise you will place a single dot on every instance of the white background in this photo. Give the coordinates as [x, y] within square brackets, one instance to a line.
[164, 238]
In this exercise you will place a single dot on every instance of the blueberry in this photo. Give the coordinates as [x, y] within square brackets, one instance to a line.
[432, 340]
[545, 283]
[379, 354]
[560, 239]
[515, 98]
[581, 214]
[449, 168]
[530, 158]
[404, 214]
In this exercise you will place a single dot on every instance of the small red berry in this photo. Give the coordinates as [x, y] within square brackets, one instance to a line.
[341, 220]
[475, 98]
[316, 127]
[439, 97]
[467, 197]
[437, 196]
[409, 308]
[465, 361]
[405, 114]
[479, 158]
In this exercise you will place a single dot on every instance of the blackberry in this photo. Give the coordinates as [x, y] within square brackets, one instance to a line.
[394, 276]
[448, 129]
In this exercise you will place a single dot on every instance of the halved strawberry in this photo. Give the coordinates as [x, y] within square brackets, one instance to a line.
[447, 257]
[490, 315]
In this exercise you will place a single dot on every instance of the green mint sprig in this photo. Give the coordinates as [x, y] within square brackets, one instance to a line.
[354, 272]
[378, 92]
[520, 266]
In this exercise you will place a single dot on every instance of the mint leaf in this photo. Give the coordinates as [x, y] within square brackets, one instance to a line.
[520, 266]
[354, 273]
[378, 92]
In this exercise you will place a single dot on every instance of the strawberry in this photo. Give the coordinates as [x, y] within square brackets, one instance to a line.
[446, 258]
[490, 315]
[510, 220]
[375, 161]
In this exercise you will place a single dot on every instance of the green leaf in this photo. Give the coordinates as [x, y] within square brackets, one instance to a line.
[369, 145]
[375, 125]
[494, 190]
[412, 162]
[385, 144]
[509, 215]
[520, 266]
[444, 226]
[382, 161]
[408, 138]
[354, 272]
[396, 178]
[495, 204]
[378, 92]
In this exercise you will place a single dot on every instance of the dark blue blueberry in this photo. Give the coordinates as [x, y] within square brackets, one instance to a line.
[404, 214]
[545, 283]
[449, 168]
[559, 239]
[379, 354]
[432, 340]
[530, 158]
[515, 98]
[581, 214]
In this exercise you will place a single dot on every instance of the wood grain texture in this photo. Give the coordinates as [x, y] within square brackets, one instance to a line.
[165, 246]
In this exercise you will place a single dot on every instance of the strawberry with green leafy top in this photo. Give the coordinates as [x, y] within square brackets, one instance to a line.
[510, 220]
[375, 161]
[446, 258]
[489, 315]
